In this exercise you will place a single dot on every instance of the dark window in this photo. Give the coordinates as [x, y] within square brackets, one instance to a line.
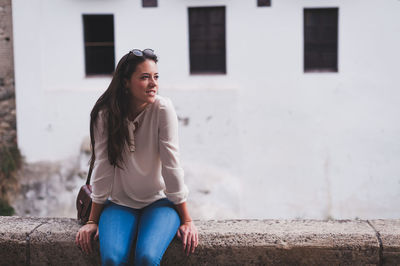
[149, 3]
[99, 44]
[321, 39]
[263, 2]
[207, 40]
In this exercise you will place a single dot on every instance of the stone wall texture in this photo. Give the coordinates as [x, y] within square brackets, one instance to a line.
[50, 241]
[7, 89]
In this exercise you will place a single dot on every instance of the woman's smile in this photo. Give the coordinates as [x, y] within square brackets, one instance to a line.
[152, 92]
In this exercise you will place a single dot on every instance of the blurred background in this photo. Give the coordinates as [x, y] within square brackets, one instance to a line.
[287, 109]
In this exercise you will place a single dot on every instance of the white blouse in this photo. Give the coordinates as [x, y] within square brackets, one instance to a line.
[151, 167]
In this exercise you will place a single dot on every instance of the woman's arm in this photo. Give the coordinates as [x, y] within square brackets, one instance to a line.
[183, 212]
[172, 172]
[95, 212]
[187, 232]
[84, 236]
[103, 172]
[102, 178]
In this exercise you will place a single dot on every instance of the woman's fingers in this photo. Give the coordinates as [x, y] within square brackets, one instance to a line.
[178, 234]
[195, 240]
[96, 236]
[188, 243]
[88, 242]
[83, 242]
[84, 237]
[184, 240]
[79, 236]
[194, 245]
[189, 237]
[77, 239]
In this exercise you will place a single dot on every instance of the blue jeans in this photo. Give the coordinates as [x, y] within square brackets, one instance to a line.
[149, 230]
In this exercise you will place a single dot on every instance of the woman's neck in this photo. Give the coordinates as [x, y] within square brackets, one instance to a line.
[136, 110]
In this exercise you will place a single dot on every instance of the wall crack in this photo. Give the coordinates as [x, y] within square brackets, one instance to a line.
[28, 244]
[378, 236]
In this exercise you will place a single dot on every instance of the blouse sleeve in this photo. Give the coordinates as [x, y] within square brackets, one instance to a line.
[103, 172]
[172, 172]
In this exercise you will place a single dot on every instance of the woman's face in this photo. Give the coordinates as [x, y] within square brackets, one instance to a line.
[143, 84]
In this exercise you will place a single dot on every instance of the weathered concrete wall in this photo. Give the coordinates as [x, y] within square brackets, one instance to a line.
[50, 241]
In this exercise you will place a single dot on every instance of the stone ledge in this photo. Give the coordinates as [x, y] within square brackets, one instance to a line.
[50, 241]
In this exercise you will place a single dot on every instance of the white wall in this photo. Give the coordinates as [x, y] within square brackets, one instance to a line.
[285, 144]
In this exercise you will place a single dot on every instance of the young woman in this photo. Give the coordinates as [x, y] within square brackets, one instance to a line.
[139, 195]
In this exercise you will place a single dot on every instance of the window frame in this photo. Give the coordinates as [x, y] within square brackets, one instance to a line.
[149, 3]
[322, 46]
[87, 44]
[207, 70]
[263, 3]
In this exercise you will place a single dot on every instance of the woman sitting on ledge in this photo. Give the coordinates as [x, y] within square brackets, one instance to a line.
[139, 195]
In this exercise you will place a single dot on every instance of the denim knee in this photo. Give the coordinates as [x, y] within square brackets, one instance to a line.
[147, 259]
[113, 260]
[115, 257]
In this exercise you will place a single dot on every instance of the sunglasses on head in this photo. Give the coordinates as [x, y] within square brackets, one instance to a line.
[137, 52]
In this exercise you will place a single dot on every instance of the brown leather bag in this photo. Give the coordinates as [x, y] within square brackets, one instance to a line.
[84, 199]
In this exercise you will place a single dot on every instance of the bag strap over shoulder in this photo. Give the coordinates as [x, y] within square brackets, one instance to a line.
[91, 161]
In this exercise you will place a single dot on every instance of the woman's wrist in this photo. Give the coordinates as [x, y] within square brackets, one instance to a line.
[91, 222]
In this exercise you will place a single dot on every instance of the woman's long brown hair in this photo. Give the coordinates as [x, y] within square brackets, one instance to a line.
[115, 106]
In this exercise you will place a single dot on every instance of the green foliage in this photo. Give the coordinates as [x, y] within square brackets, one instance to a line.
[10, 159]
[5, 208]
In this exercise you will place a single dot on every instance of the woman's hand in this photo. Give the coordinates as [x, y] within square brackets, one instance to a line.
[84, 237]
[187, 232]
